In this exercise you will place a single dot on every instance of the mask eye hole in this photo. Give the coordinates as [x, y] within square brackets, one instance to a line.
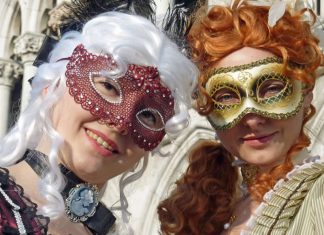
[227, 96]
[151, 119]
[106, 87]
[270, 87]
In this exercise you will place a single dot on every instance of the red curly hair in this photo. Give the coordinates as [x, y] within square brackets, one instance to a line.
[202, 199]
[190, 209]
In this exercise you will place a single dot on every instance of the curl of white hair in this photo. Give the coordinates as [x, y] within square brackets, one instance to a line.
[130, 40]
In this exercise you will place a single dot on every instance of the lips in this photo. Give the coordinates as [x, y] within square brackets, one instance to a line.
[258, 140]
[103, 141]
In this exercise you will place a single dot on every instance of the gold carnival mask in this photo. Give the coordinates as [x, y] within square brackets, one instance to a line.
[259, 87]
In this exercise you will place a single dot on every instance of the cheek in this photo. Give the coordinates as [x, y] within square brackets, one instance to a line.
[134, 151]
[134, 155]
[66, 113]
[57, 114]
[293, 127]
[228, 140]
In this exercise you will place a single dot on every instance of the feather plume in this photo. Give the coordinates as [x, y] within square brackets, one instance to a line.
[81, 11]
[239, 3]
[84, 10]
[224, 3]
[178, 20]
[179, 16]
[276, 11]
[235, 3]
[176, 23]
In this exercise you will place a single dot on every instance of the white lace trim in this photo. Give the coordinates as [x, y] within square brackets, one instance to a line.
[307, 163]
[15, 209]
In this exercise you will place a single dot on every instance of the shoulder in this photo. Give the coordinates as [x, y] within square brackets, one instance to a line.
[309, 219]
[18, 213]
[315, 198]
[286, 202]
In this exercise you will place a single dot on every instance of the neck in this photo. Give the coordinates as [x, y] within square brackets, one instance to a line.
[44, 146]
[63, 151]
[296, 159]
[249, 171]
[81, 199]
[300, 157]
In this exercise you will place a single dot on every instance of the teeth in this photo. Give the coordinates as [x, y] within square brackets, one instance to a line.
[99, 140]
[105, 144]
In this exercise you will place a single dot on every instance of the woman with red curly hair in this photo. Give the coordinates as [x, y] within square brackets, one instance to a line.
[257, 77]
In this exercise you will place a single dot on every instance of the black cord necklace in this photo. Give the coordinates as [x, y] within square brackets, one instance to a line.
[81, 199]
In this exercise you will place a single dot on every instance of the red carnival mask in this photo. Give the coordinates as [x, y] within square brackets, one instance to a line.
[136, 102]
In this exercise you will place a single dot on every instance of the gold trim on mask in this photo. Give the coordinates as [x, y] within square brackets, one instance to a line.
[259, 87]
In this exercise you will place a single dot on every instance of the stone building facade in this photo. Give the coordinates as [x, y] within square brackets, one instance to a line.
[23, 26]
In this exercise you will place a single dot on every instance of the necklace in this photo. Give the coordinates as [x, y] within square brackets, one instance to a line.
[81, 199]
[230, 222]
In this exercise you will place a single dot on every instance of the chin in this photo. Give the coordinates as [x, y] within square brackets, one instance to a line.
[89, 167]
[263, 160]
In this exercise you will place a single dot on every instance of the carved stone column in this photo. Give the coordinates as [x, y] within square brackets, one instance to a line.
[10, 72]
[26, 48]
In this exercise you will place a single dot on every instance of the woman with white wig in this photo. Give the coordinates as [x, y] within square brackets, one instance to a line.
[104, 100]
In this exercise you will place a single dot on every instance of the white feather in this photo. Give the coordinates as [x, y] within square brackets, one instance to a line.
[224, 3]
[276, 11]
[238, 5]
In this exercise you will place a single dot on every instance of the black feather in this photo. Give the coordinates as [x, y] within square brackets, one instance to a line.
[176, 23]
[84, 10]
[180, 15]
[81, 11]
[179, 19]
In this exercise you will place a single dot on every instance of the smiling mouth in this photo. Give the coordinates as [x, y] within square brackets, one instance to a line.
[100, 141]
[258, 141]
[258, 137]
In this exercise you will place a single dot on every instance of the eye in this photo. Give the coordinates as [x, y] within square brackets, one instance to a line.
[106, 87]
[227, 96]
[151, 119]
[270, 87]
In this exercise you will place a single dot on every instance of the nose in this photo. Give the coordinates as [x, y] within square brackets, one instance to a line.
[123, 130]
[253, 121]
